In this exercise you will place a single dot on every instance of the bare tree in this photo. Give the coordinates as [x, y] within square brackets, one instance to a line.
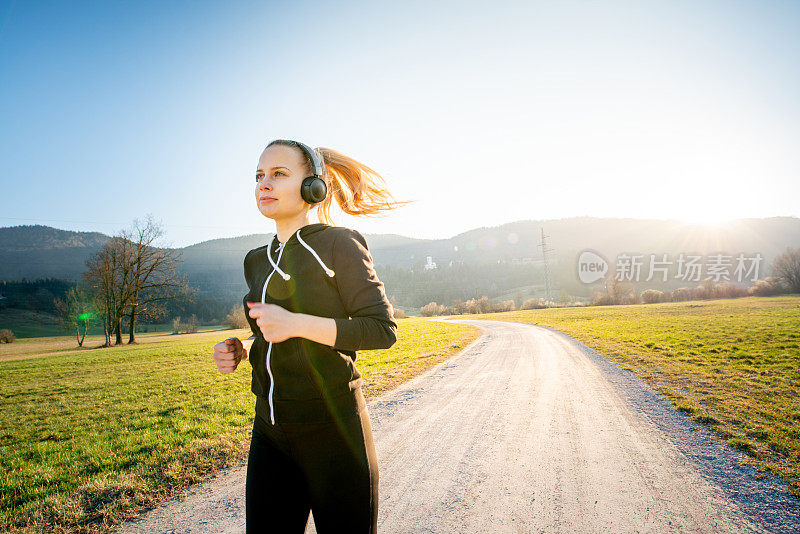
[126, 280]
[153, 274]
[131, 277]
[106, 276]
[786, 268]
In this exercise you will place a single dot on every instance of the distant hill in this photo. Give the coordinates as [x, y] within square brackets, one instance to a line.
[37, 251]
[215, 266]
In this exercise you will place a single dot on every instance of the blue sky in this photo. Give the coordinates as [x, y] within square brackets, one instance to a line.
[484, 113]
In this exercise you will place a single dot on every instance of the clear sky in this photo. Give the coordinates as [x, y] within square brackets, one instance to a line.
[484, 113]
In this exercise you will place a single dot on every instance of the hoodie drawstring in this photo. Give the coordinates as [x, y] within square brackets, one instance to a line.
[285, 276]
[329, 272]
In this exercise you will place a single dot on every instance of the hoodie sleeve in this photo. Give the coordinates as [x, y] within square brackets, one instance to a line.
[371, 323]
[248, 278]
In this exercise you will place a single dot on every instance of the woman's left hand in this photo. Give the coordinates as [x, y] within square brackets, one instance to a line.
[276, 324]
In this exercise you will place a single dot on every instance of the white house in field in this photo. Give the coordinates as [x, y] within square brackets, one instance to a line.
[429, 264]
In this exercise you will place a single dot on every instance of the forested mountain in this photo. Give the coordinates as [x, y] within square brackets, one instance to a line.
[500, 262]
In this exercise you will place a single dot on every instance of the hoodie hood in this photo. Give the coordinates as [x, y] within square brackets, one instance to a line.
[304, 231]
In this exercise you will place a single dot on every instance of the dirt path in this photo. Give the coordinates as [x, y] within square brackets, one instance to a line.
[528, 430]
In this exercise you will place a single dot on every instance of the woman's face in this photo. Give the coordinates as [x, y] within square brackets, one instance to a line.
[279, 174]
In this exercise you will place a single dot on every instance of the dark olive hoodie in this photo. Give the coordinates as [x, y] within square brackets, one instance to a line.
[325, 271]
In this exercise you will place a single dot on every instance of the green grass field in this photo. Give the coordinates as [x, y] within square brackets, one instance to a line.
[732, 364]
[91, 436]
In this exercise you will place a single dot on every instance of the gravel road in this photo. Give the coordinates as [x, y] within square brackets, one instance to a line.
[528, 430]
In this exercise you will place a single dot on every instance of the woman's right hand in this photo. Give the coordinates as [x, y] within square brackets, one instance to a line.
[228, 354]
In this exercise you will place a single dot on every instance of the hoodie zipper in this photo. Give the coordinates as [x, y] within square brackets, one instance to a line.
[285, 276]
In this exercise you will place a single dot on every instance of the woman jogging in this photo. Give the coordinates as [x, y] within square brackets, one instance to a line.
[313, 301]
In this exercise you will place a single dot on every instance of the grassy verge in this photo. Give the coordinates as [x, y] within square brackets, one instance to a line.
[732, 364]
[89, 437]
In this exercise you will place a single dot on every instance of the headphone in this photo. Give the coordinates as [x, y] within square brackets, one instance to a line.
[313, 189]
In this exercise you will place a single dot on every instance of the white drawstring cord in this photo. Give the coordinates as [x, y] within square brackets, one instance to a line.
[329, 272]
[275, 266]
[284, 275]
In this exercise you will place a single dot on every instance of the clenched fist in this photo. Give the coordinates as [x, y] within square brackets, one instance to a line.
[228, 354]
[276, 323]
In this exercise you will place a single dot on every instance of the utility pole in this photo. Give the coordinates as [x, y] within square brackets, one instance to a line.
[547, 284]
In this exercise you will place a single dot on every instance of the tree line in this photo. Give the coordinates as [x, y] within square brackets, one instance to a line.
[785, 279]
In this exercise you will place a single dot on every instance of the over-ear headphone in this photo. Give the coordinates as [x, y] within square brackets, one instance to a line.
[313, 189]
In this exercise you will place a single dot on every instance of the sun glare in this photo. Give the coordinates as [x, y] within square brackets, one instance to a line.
[709, 220]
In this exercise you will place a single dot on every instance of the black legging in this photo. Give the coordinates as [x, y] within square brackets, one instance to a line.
[330, 468]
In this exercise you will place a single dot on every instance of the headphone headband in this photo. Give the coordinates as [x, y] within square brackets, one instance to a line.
[317, 161]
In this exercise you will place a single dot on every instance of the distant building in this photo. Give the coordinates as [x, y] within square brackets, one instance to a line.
[429, 263]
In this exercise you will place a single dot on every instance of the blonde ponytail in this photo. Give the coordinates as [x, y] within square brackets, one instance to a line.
[358, 189]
